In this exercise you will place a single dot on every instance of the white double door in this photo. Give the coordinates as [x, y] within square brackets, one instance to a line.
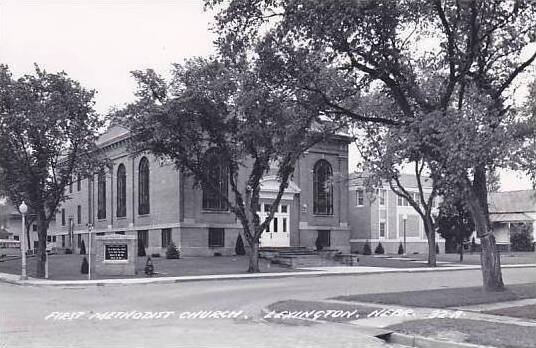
[278, 232]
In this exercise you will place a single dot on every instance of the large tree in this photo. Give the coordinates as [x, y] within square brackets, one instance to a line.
[447, 66]
[231, 115]
[47, 134]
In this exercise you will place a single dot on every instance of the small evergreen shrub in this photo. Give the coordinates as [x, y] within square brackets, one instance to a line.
[400, 249]
[82, 248]
[379, 249]
[155, 255]
[141, 249]
[521, 238]
[366, 248]
[85, 266]
[149, 267]
[172, 252]
[68, 251]
[239, 247]
[217, 254]
[437, 248]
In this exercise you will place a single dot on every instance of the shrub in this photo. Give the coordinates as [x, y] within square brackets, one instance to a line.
[85, 266]
[521, 238]
[141, 249]
[82, 248]
[239, 247]
[473, 244]
[68, 251]
[379, 249]
[436, 248]
[172, 252]
[155, 255]
[318, 244]
[366, 248]
[217, 254]
[400, 249]
[149, 267]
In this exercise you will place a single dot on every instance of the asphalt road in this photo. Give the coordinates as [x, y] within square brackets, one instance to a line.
[24, 309]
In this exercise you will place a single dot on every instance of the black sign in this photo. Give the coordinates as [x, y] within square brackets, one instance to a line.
[116, 252]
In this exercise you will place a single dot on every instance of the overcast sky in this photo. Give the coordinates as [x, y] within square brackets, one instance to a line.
[99, 42]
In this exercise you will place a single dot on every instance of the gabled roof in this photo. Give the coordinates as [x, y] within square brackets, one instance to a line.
[512, 201]
[113, 134]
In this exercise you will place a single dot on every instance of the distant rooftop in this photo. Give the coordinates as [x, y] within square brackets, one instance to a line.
[512, 201]
[407, 180]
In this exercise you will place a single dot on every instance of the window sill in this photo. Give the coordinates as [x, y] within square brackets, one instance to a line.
[144, 215]
[121, 217]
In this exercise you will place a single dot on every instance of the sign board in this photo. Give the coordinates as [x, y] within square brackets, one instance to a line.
[115, 252]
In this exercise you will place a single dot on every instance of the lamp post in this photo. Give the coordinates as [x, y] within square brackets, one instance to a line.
[405, 218]
[23, 208]
[89, 228]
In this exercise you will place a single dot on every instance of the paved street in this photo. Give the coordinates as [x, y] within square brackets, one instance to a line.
[24, 308]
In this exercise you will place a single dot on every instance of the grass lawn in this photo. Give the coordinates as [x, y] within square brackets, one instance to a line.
[67, 267]
[297, 305]
[442, 298]
[471, 331]
[528, 311]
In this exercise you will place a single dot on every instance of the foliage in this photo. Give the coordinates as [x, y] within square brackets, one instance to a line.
[153, 255]
[172, 252]
[521, 238]
[141, 248]
[47, 136]
[85, 266]
[149, 267]
[454, 221]
[68, 251]
[379, 249]
[444, 67]
[239, 247]
[366, 248]
[235, 115]
[400, 249]
[83, 248]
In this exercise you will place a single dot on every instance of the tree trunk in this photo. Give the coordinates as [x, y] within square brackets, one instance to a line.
[461, 251]
[254, 257]
[489, 257]
[430, 234]
[41, 245]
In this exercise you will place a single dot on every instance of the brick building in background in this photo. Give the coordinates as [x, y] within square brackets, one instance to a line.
[139, 195]
[383, 216]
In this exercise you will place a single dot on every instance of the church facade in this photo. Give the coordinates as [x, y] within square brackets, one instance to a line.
[139, 195]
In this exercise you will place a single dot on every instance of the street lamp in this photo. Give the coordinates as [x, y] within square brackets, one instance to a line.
[23, 209]
[405, 218]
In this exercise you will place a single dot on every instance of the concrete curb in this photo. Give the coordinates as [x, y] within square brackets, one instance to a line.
[426, 342]
[350, 271]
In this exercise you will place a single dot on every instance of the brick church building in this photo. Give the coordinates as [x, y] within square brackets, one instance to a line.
[153, 200]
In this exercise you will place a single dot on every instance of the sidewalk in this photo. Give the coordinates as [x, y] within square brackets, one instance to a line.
[305, 272]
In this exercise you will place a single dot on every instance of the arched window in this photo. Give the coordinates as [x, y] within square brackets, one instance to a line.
[143, 187]
[322, 188]
[101, 195]
[121, 191]
[215, 187]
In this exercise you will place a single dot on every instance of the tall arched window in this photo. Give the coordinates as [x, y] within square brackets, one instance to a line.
[101, 195]
[322, 188]
[143, 187]
[121, 191]
[215, 189]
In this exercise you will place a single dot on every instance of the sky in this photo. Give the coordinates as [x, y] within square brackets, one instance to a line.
[100, 42]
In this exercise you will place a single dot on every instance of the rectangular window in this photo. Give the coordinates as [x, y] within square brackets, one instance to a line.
[382, 196]
[166, 237]
[275, 225]
[63, 241]
[79, 240]
[78, 183]
[34, 227]
[143, 237]
[284, 208]
[49, 239]
[54, 239]
[79, 214]
[267, 208]
[36, 244]
[63, 217]
[16, 237]
[284, 224]
[324, 238]
[360, 197]
[216, 237]
[382, 229]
